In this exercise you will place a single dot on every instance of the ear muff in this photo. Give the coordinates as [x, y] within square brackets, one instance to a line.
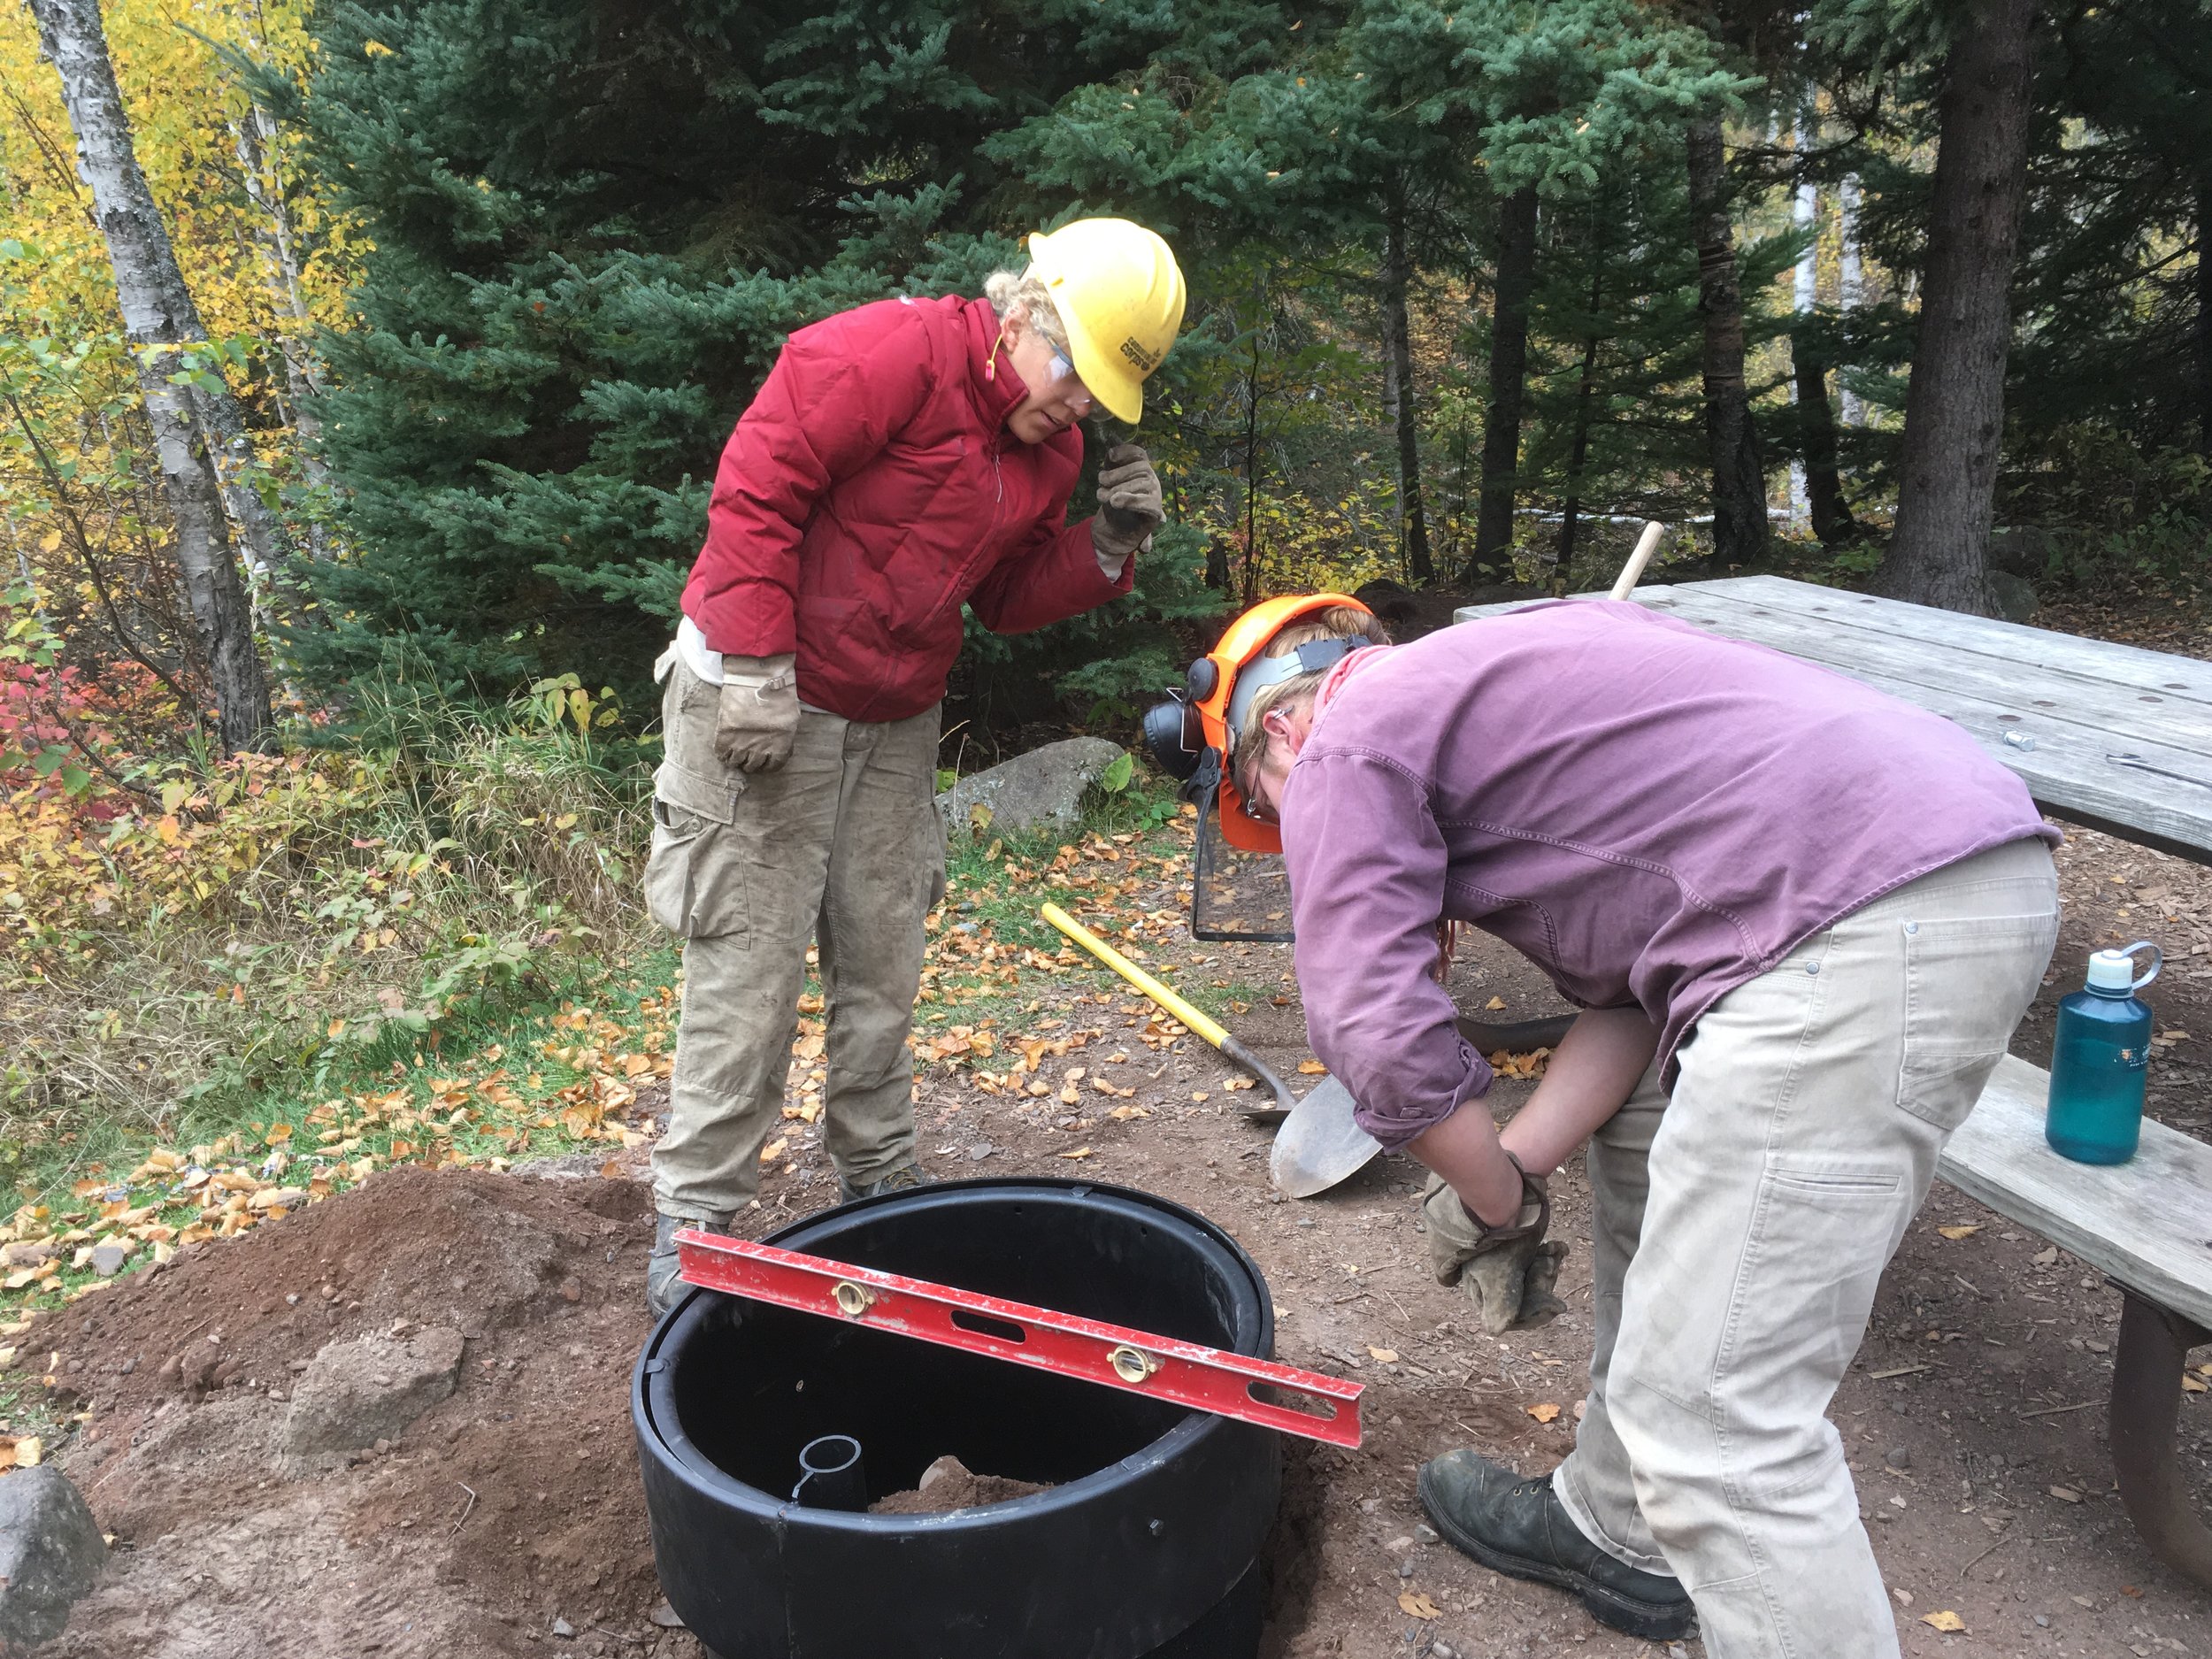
[1174, 738]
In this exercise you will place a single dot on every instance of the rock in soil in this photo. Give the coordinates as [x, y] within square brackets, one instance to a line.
[356, 1394]
[948, 1484]
[1041, 788]
[50, 1551]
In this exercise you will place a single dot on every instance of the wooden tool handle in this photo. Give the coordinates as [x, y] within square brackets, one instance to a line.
[1209, 1029]
[1633, 573]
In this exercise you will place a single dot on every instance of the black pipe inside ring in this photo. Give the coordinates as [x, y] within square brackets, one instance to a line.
[830, 1474]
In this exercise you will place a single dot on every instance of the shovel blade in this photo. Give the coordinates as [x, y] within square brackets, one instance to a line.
[1318, 1144]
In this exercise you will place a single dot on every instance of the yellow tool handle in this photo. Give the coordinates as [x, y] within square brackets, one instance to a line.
[1210, 1030]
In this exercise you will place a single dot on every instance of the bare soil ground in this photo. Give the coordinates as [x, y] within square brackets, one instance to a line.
[509, 1520]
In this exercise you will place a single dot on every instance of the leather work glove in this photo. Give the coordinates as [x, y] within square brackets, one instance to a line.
[758, 716]
[1129, 508]
[1507, 1272]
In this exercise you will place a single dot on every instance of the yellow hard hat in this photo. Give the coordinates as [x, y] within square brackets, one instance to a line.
[1117, 288]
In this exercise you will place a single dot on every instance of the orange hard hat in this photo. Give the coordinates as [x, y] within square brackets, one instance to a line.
[1220, 709]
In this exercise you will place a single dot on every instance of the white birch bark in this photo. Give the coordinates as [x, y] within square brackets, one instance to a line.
[1851, 287]
[159, 318]
[1804, 293]
[265, 187]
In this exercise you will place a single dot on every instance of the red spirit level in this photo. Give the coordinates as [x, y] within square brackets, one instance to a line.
[1189, 1373]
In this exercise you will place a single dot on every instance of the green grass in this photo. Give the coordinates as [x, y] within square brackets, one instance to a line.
[92, 1178]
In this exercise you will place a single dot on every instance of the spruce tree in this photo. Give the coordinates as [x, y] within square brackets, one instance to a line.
[591, 231]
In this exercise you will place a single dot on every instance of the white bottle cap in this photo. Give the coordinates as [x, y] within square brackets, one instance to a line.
[2111, 970]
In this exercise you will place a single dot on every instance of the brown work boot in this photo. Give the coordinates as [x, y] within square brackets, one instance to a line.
[903, 1179]
[663, 1288]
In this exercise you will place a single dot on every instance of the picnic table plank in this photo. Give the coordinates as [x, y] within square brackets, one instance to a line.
[2147, 1222]
[2032, 694]
[2122, 737]
[2145, 671]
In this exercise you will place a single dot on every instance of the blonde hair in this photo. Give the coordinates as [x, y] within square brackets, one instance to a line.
[1338, 622]
[1006, 289]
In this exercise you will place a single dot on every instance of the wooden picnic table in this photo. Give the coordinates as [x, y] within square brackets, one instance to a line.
[2116, 739]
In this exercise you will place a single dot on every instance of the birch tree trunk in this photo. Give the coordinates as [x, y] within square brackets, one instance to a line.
[1509, 374]
[158, 316]
[1850, 279]
[280, 257]
[1804, 296]
[1740, 491]
[1954, 407]
[1398, 404]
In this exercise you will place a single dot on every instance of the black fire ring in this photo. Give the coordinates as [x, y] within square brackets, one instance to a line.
[1145, 1545]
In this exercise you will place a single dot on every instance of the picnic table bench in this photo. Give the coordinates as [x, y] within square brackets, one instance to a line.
[2116, 739]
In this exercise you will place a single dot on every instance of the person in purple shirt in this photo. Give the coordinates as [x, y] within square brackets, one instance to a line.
[1801, 919]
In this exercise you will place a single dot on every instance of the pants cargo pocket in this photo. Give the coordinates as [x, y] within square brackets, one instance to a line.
[694, 876]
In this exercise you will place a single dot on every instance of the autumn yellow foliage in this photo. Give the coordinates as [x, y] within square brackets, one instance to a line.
[84, 524]
[189, 115]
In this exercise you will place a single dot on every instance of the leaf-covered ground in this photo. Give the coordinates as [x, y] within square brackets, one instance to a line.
[1972, 1417]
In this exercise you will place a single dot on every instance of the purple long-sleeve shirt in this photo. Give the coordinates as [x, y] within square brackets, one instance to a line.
[1651, 814]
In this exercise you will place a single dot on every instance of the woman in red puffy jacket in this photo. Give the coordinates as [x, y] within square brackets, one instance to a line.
[901, 460]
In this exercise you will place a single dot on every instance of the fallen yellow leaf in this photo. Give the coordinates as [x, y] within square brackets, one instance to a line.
[2194, 1384]
[1545, 1413]
[20, 1451]
[1965, 1231]
[1080, 1152]
[1493, 1005]
[1414, 1604]
[1313, 1068]
[1946, 1620]
[774, 1149]
[1385, 1355]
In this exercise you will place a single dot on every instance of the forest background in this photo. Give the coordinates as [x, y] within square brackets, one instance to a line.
[338, 546]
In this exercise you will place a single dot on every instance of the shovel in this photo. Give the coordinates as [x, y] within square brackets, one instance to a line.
[1319, 1145]
[1285, 1103]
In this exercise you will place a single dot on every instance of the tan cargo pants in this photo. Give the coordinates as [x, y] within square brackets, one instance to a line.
[1741, 1228]
[843, 846]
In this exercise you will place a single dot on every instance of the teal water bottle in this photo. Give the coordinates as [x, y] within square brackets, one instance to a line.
[2097, 1064]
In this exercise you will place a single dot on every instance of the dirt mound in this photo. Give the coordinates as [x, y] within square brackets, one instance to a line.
[465, 1248]
[508, 1506]
[948, 1484]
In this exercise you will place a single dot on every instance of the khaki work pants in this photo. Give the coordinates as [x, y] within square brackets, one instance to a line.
[842, 846]
[1741, 1228]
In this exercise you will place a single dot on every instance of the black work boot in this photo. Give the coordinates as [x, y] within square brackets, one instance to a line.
[663, 1288]
[902, 1179]
[1519, 1527]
